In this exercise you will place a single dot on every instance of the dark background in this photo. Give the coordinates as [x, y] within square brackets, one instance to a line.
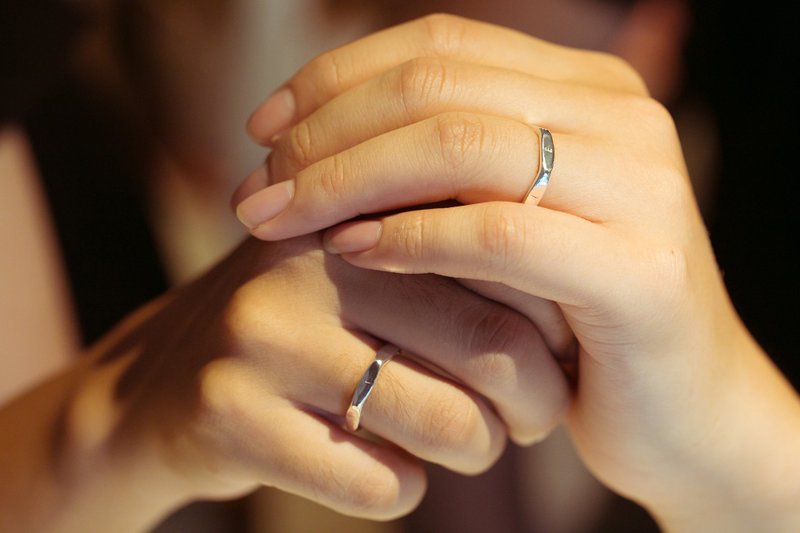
[744, 57]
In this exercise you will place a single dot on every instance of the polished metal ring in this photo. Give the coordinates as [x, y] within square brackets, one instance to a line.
[546, 158]
[367, 383]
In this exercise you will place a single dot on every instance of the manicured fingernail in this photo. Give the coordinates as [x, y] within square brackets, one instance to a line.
[353, 237]
[257, 180]
[272, 117]
[265, 205]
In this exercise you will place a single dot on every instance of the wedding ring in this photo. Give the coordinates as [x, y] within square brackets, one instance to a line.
[546, 158]
[365, 386]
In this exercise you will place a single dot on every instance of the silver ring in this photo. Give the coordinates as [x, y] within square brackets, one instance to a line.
[365, 386]
[546, 157]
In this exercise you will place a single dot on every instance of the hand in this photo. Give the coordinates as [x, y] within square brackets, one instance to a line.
[444, 109]
[242, 379]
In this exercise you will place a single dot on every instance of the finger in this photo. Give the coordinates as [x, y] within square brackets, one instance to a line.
[538, 251]
[485, 346]
[466, 157]
[304, 454]
[425, 87]
[489, 348]
[444, 36]
[428, 415]
[257, 180]
[351, 475]
[544, 313]
[316, 362]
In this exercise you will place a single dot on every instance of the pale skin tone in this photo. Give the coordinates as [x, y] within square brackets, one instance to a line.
[242, 378]
[38, 337]
[676, 406]
[230, 366]
[96, 446]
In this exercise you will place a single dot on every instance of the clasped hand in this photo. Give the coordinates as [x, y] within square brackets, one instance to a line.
[370, 138]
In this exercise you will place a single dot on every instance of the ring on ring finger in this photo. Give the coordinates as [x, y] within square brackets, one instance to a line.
[367, 383]
[546, 160]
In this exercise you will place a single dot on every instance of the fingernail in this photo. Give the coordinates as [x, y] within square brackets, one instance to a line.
[353, 237]
[257, 180]
[272, 117]
[265, 205]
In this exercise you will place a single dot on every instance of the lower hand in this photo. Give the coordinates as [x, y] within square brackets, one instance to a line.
[242, 379]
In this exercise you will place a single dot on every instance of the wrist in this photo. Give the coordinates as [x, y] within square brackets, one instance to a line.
[742, 475]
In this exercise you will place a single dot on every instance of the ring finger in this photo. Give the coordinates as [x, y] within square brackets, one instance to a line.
[426, 87]
[421, 89]
[466, 157]
[422, 412]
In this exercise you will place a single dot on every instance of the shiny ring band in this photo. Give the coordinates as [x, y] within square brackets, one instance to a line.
[368, 380]
[546, 158]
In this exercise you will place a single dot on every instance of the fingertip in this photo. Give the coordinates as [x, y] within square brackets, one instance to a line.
[529, 439]
[272, 117]
[353, 237]
[263, 206]
[254, 182]
[413, 484]
[391, 489]
[554, 401]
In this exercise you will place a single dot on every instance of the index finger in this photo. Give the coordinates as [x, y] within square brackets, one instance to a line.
[444, 36]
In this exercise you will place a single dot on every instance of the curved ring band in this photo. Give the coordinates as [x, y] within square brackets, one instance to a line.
[368, 380]
[546, 159]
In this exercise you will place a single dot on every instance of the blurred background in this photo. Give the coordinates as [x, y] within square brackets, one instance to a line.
[123, 122]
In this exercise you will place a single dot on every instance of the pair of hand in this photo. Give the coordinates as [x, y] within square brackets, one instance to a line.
[446, 109]
[242, 377]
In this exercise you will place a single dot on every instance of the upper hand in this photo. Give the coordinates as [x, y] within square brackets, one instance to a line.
[446, 109]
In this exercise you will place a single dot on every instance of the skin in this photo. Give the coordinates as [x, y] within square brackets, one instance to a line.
[35, 308]
[242, 378]
[675, 405]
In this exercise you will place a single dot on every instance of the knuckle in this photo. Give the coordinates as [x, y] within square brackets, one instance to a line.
[422, 81]
[495, 336]
[411, 235]
[239, 331]
[497, 369]
[652, 116]
[299, 146]
[241, 314]
[460, 139]
[502, 235]
[217, 399]
[445, 33]
[335, 176]
[328, 65]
